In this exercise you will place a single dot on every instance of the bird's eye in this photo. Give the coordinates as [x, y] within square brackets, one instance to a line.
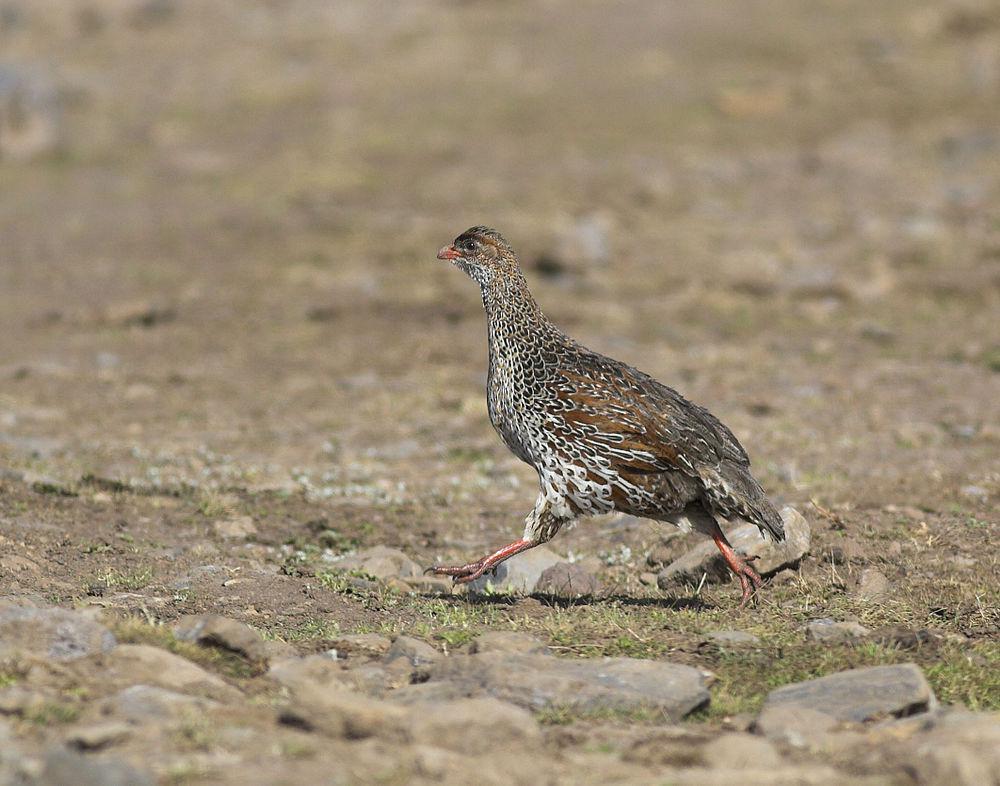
[471, 244]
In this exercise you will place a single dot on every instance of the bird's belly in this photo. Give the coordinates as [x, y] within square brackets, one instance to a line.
[575, 489]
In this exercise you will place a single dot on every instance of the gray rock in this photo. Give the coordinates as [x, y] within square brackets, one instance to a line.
[374, 680]
[860, 694]
[829, 630]
[568, 580]
[732, 638]
[140, 663]
[214, 630]
[961, 749]
[379, 562]
[771, 556]
[30, 116]
[873, 586]
[50, 632]
[540, 681]
[794, 725]
[302, 675]
[24, 701]
[98, 735]
[519, 574]
[474, 726]
[507, 641]
[430, 693]
[68, 768]
[341, 713]
[370, 645]
[418, 654]
[740, 752]
[11, 762]
[147, 703]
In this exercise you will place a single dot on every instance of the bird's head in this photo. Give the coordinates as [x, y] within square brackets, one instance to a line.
[483, 254]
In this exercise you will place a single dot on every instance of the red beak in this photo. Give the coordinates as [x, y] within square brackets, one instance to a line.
[448, 252]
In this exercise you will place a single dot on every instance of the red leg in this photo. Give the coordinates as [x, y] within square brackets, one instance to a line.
[750, 580]
[462, 574]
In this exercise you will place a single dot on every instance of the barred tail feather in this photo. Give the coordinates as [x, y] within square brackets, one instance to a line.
[735, 492]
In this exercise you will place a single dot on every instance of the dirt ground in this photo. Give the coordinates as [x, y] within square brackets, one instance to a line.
[219, 301]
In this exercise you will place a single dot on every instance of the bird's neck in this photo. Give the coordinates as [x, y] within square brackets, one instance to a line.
[513, 317]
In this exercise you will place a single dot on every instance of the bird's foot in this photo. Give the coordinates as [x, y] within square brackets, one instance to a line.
[463, 574]
[750, 580]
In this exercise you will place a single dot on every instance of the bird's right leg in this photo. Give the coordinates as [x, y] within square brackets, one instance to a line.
[540, 526]
[750, 580]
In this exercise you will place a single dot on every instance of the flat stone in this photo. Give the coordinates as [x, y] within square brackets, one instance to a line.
[772, 556]
[214, 630]
[829, 630]
[59, 634]
[379, 562]
[568, 580]
[540, 681]
[860, 694]
[474, 726]
[732, 638]
[507, 641]
[519, 574]
[141, 663]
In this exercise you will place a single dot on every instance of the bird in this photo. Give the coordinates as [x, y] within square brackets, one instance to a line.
[602, 435]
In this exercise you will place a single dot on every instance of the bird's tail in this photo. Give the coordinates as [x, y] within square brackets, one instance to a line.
[766, 516]
[740, 494]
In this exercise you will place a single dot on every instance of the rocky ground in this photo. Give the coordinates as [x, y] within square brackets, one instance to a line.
[241, 404]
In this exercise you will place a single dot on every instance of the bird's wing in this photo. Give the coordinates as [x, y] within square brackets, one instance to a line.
[641, 422]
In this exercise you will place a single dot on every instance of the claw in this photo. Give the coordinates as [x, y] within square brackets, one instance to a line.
[460, 573]
[463, 574]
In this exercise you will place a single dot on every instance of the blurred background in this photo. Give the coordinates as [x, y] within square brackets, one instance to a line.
[218, 226]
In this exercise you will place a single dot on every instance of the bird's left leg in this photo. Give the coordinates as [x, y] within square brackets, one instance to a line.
[540, 526]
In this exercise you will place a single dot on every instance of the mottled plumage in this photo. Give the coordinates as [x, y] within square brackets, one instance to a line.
[602, 435]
